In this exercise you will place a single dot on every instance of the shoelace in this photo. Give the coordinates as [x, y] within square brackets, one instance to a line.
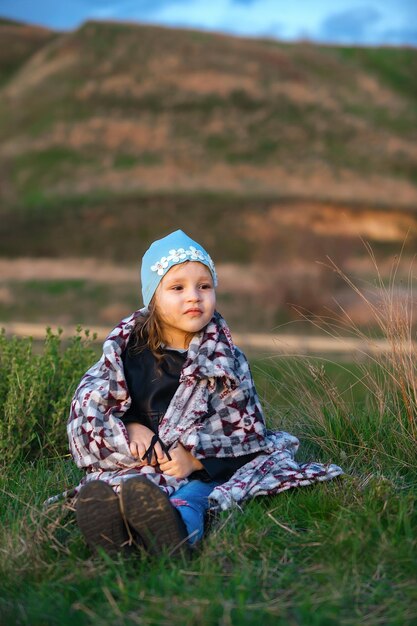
[149, 452]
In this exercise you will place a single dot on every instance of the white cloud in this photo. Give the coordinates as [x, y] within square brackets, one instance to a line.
[352, 25]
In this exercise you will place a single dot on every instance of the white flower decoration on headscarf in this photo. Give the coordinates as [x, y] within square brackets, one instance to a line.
[160, 266]
[195, 255]
[177, 255]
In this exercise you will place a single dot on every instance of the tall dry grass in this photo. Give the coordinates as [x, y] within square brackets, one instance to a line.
[383, 426]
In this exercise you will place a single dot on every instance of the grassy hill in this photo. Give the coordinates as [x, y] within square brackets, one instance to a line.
[129, 129]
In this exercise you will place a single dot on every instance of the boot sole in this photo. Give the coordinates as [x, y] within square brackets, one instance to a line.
[99, 518]
[148, 510]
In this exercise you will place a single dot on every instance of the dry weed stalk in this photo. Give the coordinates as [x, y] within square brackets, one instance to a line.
[393, 314]
[384, 425]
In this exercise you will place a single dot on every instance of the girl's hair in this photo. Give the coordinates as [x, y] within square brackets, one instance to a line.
[148, 333]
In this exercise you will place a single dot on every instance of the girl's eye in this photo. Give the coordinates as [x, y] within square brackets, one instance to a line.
[205, 286]
[176, 287]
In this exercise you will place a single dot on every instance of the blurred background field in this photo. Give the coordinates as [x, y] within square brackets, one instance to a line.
[274, 155]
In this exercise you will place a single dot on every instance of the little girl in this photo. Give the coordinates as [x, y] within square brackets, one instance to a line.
[168, 424]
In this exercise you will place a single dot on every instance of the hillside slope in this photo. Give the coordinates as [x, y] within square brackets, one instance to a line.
[18, 43]
[117, 124]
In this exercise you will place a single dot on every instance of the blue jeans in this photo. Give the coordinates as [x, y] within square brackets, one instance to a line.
[191, 501]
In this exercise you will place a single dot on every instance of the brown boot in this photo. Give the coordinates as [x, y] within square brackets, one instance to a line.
[100, 520]
[148, 511]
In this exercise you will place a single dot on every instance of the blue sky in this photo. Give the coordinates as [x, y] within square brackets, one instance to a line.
[370, 22]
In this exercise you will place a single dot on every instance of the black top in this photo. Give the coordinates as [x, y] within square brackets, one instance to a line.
[152, 385]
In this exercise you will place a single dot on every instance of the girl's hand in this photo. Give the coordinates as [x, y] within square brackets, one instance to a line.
[140, 438]
[182, 465]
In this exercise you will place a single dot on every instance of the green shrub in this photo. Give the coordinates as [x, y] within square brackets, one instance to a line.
[36, 391]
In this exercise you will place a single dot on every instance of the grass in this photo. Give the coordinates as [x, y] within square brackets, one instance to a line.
[34, 171]
[67, 301]
[126, 161]
[337, 553]
[303, 537]
[394, 67]
[44, 223]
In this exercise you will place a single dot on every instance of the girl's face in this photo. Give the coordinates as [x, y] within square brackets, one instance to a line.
[185, 301]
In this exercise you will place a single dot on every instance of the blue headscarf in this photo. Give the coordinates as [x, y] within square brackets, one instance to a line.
[175, 248]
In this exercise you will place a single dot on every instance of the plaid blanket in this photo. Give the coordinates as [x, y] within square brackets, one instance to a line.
[215, 412]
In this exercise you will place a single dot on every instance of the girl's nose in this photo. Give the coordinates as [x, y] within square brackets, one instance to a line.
[193, 295]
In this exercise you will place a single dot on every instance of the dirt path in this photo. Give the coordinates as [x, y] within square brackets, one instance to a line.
[234, 278]
[256, 342]
[22, 269]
